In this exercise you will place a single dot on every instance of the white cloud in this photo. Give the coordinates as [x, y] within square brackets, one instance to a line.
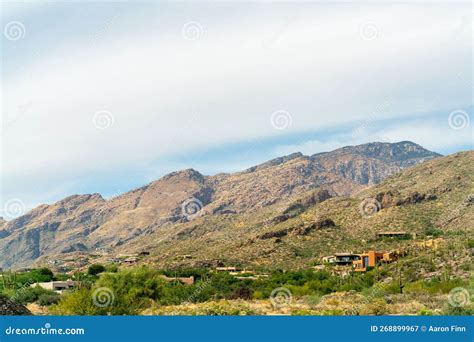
[169, 95]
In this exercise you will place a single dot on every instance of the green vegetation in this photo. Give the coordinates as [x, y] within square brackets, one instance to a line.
[132, 291]
[432, 231]
[13, 280]
[95, 269]
[18, 285]
[47, 299]
[25, 295]
[433, 286]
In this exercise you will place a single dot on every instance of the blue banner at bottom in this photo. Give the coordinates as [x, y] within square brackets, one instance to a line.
[235, 328]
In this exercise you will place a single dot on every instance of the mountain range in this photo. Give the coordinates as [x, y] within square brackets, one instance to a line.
[181, 206]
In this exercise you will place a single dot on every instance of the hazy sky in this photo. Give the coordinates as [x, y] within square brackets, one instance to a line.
[104, 97]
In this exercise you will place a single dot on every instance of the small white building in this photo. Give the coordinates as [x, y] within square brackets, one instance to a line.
[57, 286]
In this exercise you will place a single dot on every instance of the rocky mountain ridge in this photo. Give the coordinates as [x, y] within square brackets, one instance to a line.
[87, 222]
[432, 199]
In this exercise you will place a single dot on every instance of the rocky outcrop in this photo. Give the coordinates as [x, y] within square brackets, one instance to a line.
[300, 205]
[393, 198]
[319, 224]
[298, 230]
[416, 197]
[11, 308]
[273, 234]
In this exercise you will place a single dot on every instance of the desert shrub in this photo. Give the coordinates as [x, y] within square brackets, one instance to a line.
[376, 291]
[351, 286]
[313, 300]
[416, 287]
[225, 286]
[433, 286]
[357, 282]
[77, 302]
[201, 291]
[46, 299]
[84, 278]
[467, 310]
[177, 293]
[425, 312]
[324, 286]
[432, 231]
[45, 272]
[332, 312]
[376, 307]
[224, 308]
[299, 291]
[95, 269]
[61, 277]
[392, 287]
[304, 312]
[112, 268]
[243, 292]
[298, 278]
[27, 295]
[132, 289]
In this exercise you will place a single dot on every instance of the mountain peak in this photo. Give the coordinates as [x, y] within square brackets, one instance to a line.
[189, 174]
[397, 152]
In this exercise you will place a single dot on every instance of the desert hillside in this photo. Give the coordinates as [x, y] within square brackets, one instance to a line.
[433, 198]
[220, 209]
